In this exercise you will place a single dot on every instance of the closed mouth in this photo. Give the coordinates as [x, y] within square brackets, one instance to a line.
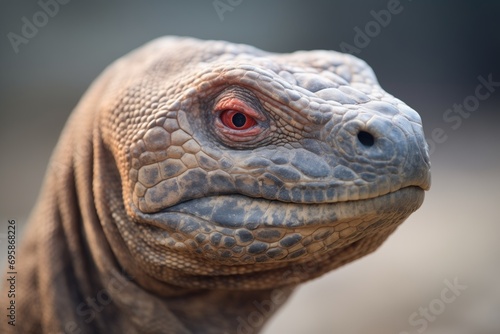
[238, 230]
[239, 211]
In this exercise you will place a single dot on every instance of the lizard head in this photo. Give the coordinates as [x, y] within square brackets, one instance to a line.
[244, 169]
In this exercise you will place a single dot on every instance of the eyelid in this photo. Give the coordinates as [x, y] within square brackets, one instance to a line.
[233, 103]
[239, 100]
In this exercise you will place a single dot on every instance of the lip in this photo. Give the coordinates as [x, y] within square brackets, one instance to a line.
[236, 233]
[239, 211]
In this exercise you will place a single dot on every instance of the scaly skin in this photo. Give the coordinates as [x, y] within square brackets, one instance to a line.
[209, 178]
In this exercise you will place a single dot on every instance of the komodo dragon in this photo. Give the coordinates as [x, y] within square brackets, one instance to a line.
[198, 182]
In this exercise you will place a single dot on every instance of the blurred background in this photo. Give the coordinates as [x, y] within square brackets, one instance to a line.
[432, 55]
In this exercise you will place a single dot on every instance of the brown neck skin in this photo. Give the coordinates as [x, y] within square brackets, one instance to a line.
[190, 311]
[78, 276]
[213, 311]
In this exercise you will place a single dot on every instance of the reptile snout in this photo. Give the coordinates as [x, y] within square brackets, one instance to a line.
[387, 139]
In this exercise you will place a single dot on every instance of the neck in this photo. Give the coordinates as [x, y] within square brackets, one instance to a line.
[225, 311]
[194, 311]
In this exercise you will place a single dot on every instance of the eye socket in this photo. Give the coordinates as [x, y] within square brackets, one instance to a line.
[239, 123]
[237, 120]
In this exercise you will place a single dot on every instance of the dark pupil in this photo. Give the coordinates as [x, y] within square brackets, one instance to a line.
[239, 120]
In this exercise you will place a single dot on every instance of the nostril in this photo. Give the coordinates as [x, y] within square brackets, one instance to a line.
[366, 138]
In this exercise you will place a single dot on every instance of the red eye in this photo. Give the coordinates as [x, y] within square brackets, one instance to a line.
[237, 120]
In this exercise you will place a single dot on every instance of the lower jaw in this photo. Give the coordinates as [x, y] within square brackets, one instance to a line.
[239, 211]
[260, 276]
[330, 234]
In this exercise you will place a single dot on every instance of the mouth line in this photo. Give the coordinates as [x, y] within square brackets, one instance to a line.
[236, 211]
